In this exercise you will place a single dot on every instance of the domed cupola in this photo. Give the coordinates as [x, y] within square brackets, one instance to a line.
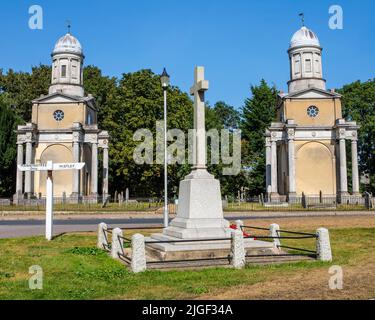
[67, 67]
[305, 55]
[68, 44]
[304, 37]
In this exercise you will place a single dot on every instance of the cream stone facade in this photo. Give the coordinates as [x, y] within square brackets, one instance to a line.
[306, 146]
[63, 129]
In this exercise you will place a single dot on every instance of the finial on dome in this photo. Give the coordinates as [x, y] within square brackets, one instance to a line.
[302, 15]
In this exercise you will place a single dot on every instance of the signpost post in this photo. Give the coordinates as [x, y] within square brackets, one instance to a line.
[50, 167]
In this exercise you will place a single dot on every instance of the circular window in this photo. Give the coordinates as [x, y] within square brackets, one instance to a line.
[312, 111]
[58, 115]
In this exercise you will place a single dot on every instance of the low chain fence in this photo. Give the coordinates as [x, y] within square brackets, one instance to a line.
[133, 250]
[276, 237]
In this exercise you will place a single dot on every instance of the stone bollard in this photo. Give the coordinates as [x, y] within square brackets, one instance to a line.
[117, 243]
[238, 250]
[138, 263]
[323, 245]
[102, 237]
[274, 228]
[239, 224]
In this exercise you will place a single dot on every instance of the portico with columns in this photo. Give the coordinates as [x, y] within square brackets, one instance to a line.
[306, 145]
[64, 128]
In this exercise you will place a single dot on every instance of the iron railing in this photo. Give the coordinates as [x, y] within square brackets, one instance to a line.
[296, 251]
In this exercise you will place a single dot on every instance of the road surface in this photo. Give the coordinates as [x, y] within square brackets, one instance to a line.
[26, 227]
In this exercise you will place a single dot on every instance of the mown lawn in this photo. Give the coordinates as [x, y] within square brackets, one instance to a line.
[74, 269]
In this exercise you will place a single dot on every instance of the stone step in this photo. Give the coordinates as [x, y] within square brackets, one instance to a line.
[261, 260]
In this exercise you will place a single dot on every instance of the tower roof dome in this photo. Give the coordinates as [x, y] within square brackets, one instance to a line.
[304, 37]
[68, 44]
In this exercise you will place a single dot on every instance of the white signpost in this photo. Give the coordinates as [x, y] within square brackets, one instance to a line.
[50, 167]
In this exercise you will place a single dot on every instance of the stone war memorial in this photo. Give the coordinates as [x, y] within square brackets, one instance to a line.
[199, 235]
[200, 212]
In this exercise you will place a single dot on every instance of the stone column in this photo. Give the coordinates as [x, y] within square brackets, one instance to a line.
[105, 171]
[343, 170]
[274, 188]
[28, 174]
[355, 175]
[291, 165]
[94, 169]
[76, 173]
[19, 172]
[268, 166]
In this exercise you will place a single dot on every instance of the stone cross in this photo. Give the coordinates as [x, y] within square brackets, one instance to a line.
[198, 89]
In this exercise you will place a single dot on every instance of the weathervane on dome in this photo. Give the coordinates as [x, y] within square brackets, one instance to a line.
[302, 15]
[69, 25]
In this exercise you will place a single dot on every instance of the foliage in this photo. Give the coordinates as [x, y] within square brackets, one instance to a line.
[359, 105]
[257, 114]
[8, 150]
[223, 116]
[135, 101]
[86, 251]
[139, 105]
[23, 87]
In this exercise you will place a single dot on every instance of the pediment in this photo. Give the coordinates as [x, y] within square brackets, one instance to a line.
[312, 93]
[58, 98]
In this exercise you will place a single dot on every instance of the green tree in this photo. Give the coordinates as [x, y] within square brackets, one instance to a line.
[223, 116]
[23, 87]
[8, 151]
[257, 114]
[138, 105]
[359, 105]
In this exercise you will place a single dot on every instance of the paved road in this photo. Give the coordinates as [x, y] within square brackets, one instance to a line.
[14, 228]
[26, 228]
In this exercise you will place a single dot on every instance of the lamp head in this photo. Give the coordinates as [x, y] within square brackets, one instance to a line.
[165, 79]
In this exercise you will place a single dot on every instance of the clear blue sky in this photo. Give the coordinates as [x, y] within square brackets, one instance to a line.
[238, 41]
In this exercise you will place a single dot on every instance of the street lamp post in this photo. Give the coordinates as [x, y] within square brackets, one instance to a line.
[165, 84]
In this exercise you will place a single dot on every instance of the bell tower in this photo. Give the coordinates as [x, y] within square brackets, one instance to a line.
[306, 145]
[67, 67]
[64, 128]
[305, 55]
